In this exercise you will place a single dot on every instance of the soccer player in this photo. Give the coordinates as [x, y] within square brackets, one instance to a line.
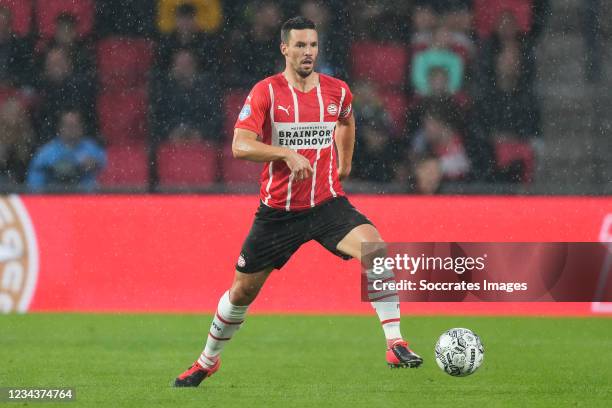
[291, 122]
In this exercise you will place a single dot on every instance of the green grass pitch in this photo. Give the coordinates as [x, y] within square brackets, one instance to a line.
[294, 360]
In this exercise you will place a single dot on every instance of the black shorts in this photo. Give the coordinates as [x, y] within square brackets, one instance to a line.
[277, 234]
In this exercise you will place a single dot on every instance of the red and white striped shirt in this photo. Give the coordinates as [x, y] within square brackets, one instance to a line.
[304, 121]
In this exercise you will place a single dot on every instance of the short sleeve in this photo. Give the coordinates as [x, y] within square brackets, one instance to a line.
[347, 104]
[253, 113]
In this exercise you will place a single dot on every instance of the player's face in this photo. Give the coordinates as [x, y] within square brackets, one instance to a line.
[301, 51]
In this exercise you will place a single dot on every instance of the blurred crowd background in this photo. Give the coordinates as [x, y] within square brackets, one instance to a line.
[450, 96]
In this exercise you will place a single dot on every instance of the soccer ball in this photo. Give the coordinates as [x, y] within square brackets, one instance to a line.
[459, 352]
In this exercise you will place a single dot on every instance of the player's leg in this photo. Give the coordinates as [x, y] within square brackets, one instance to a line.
[274, 236]
[386, 303]
[228, 318]
[230, 314]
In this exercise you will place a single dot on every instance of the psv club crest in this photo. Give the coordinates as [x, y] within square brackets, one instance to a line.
[332, 109]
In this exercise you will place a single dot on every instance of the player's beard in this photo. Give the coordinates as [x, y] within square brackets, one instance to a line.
[303, 73]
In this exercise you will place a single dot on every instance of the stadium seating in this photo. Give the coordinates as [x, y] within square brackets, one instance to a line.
[122, 116]
[236, 172]
[383, 64]
[127, 167]
[122, 104]
[48, 10]
[21, 11]
[186, 164]
[486, 14]
[232, 104]
[123, 71]
[508, 153]
[124, 62]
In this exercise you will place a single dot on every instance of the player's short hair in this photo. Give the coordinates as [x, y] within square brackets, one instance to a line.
[296, 23]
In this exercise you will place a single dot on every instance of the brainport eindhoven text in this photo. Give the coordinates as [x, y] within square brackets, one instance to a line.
[306, 138]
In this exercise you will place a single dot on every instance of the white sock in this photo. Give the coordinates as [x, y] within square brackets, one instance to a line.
[228, 318]
[386, 304]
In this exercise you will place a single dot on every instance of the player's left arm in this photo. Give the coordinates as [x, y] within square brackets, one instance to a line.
[345, 142]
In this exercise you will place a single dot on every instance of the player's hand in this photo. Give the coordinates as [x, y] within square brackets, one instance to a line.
[299, 165]
[343, 172]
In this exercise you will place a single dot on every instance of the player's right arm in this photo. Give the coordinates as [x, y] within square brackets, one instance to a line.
[247, 145]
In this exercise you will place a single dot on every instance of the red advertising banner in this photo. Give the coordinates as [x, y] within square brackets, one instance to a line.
[177, 253]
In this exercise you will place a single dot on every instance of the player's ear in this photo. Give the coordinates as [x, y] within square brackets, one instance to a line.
[283, 48]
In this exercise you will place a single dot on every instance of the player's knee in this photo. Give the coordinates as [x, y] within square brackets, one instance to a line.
[243, 294]
[371, 251]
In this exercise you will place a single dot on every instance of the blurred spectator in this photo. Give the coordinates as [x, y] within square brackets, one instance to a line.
[508, 108]
[60, 87]
[506, 36]
[455, 107]
[186, 102]
[16, 141]
[15, 54]
[509, 23]
[440, 90]
[332, 53]
[254, 50]
[208, 14]
[437, 151]
[424, 22]
[67, 38]
[454, 15]
[438, 81]
[439, 55]
[70, 160]
[428, 175]
[375, 149]
[187, 35]
[508, 111]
